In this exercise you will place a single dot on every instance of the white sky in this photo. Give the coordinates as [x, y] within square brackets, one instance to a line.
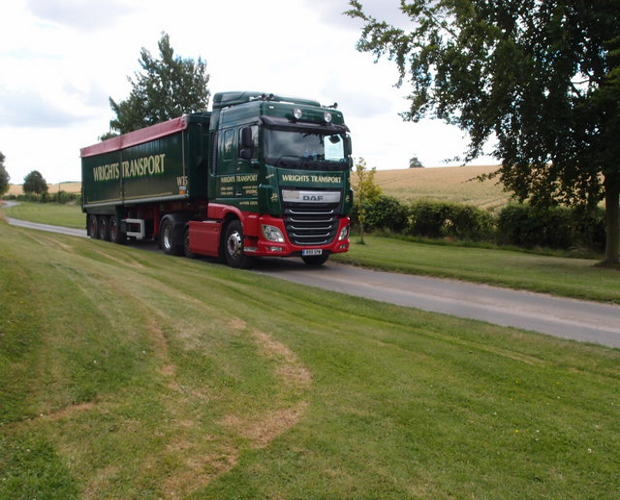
[60, 61]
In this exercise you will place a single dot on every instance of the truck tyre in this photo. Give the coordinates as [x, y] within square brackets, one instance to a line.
[115, 231]
[104, 228]
[233, 247]
[188, 253]
[93, 227]
[170, 242]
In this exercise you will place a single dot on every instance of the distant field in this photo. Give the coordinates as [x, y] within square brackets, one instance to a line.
[453, 184]
[69, 187]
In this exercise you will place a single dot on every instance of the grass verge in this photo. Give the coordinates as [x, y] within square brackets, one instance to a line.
[67, 215]
[569, 277]
[129, 375]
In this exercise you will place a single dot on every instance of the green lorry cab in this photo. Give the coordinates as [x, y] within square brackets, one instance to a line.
[259, 175]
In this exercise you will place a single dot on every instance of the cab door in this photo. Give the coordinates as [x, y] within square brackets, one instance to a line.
[236, 166]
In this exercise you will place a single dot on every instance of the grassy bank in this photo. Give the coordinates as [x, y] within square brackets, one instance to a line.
[128, 374]
[69, 215]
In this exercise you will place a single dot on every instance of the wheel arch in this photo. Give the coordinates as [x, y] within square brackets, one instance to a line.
[178, 221]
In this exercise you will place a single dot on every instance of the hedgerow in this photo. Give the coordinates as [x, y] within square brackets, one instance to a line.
[517, 224]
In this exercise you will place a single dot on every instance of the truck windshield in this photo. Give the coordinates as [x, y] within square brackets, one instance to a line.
[304, 149]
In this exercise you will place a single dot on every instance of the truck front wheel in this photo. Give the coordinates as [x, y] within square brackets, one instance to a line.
[233, 247]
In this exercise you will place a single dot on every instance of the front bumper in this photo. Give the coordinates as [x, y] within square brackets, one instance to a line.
[259, 246]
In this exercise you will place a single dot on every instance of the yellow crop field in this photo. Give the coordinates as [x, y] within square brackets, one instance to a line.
[450, 184]
[68, 187]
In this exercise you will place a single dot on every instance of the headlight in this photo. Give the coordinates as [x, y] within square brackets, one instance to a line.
[344, 234]
[327, 117]
[297, 113]
[272, 233]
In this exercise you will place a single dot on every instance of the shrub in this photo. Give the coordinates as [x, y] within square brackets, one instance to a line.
[553, 227]
[466, 222]
[521, 225]
[432, 219]
[590, 229]
[427, 219]
[386, 213]
[63, 197]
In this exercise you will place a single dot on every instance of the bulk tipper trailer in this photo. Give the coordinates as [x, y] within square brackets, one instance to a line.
[259, 175]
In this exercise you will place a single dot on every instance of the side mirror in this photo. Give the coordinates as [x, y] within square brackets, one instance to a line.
[246, 146]
[247, 140]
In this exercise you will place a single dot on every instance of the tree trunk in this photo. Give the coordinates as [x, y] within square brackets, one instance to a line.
[612, 218]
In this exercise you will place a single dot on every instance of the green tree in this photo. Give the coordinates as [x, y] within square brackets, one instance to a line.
[540, 79]
[366, 191]
[166, 88]
[34, 183]
[4, 176]
[415, 163]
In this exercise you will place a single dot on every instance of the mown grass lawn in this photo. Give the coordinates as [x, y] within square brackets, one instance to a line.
[133, 375]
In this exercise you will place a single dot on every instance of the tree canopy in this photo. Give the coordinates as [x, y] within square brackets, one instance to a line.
[539, 80]
[414, 162]
[35, 183]
[166, 88]
[4, 176]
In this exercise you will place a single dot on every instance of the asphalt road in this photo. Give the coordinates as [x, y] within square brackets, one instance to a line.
[567, 318]
[45, 227]
[561, 317]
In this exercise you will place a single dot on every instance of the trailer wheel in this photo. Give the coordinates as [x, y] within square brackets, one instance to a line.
[315, 260]
[233, 247]
[93, 227]
[169, 239]
[104, 228]
[115, 231]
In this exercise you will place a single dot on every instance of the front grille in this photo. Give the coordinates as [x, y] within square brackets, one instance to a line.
[311, 224]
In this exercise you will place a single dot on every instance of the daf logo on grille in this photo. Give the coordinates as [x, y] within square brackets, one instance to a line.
[312, 197]
[295, 196]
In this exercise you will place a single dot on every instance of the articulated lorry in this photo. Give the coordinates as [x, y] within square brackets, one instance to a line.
[259, 175]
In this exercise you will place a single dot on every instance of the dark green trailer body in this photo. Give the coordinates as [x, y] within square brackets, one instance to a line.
[169, 166]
